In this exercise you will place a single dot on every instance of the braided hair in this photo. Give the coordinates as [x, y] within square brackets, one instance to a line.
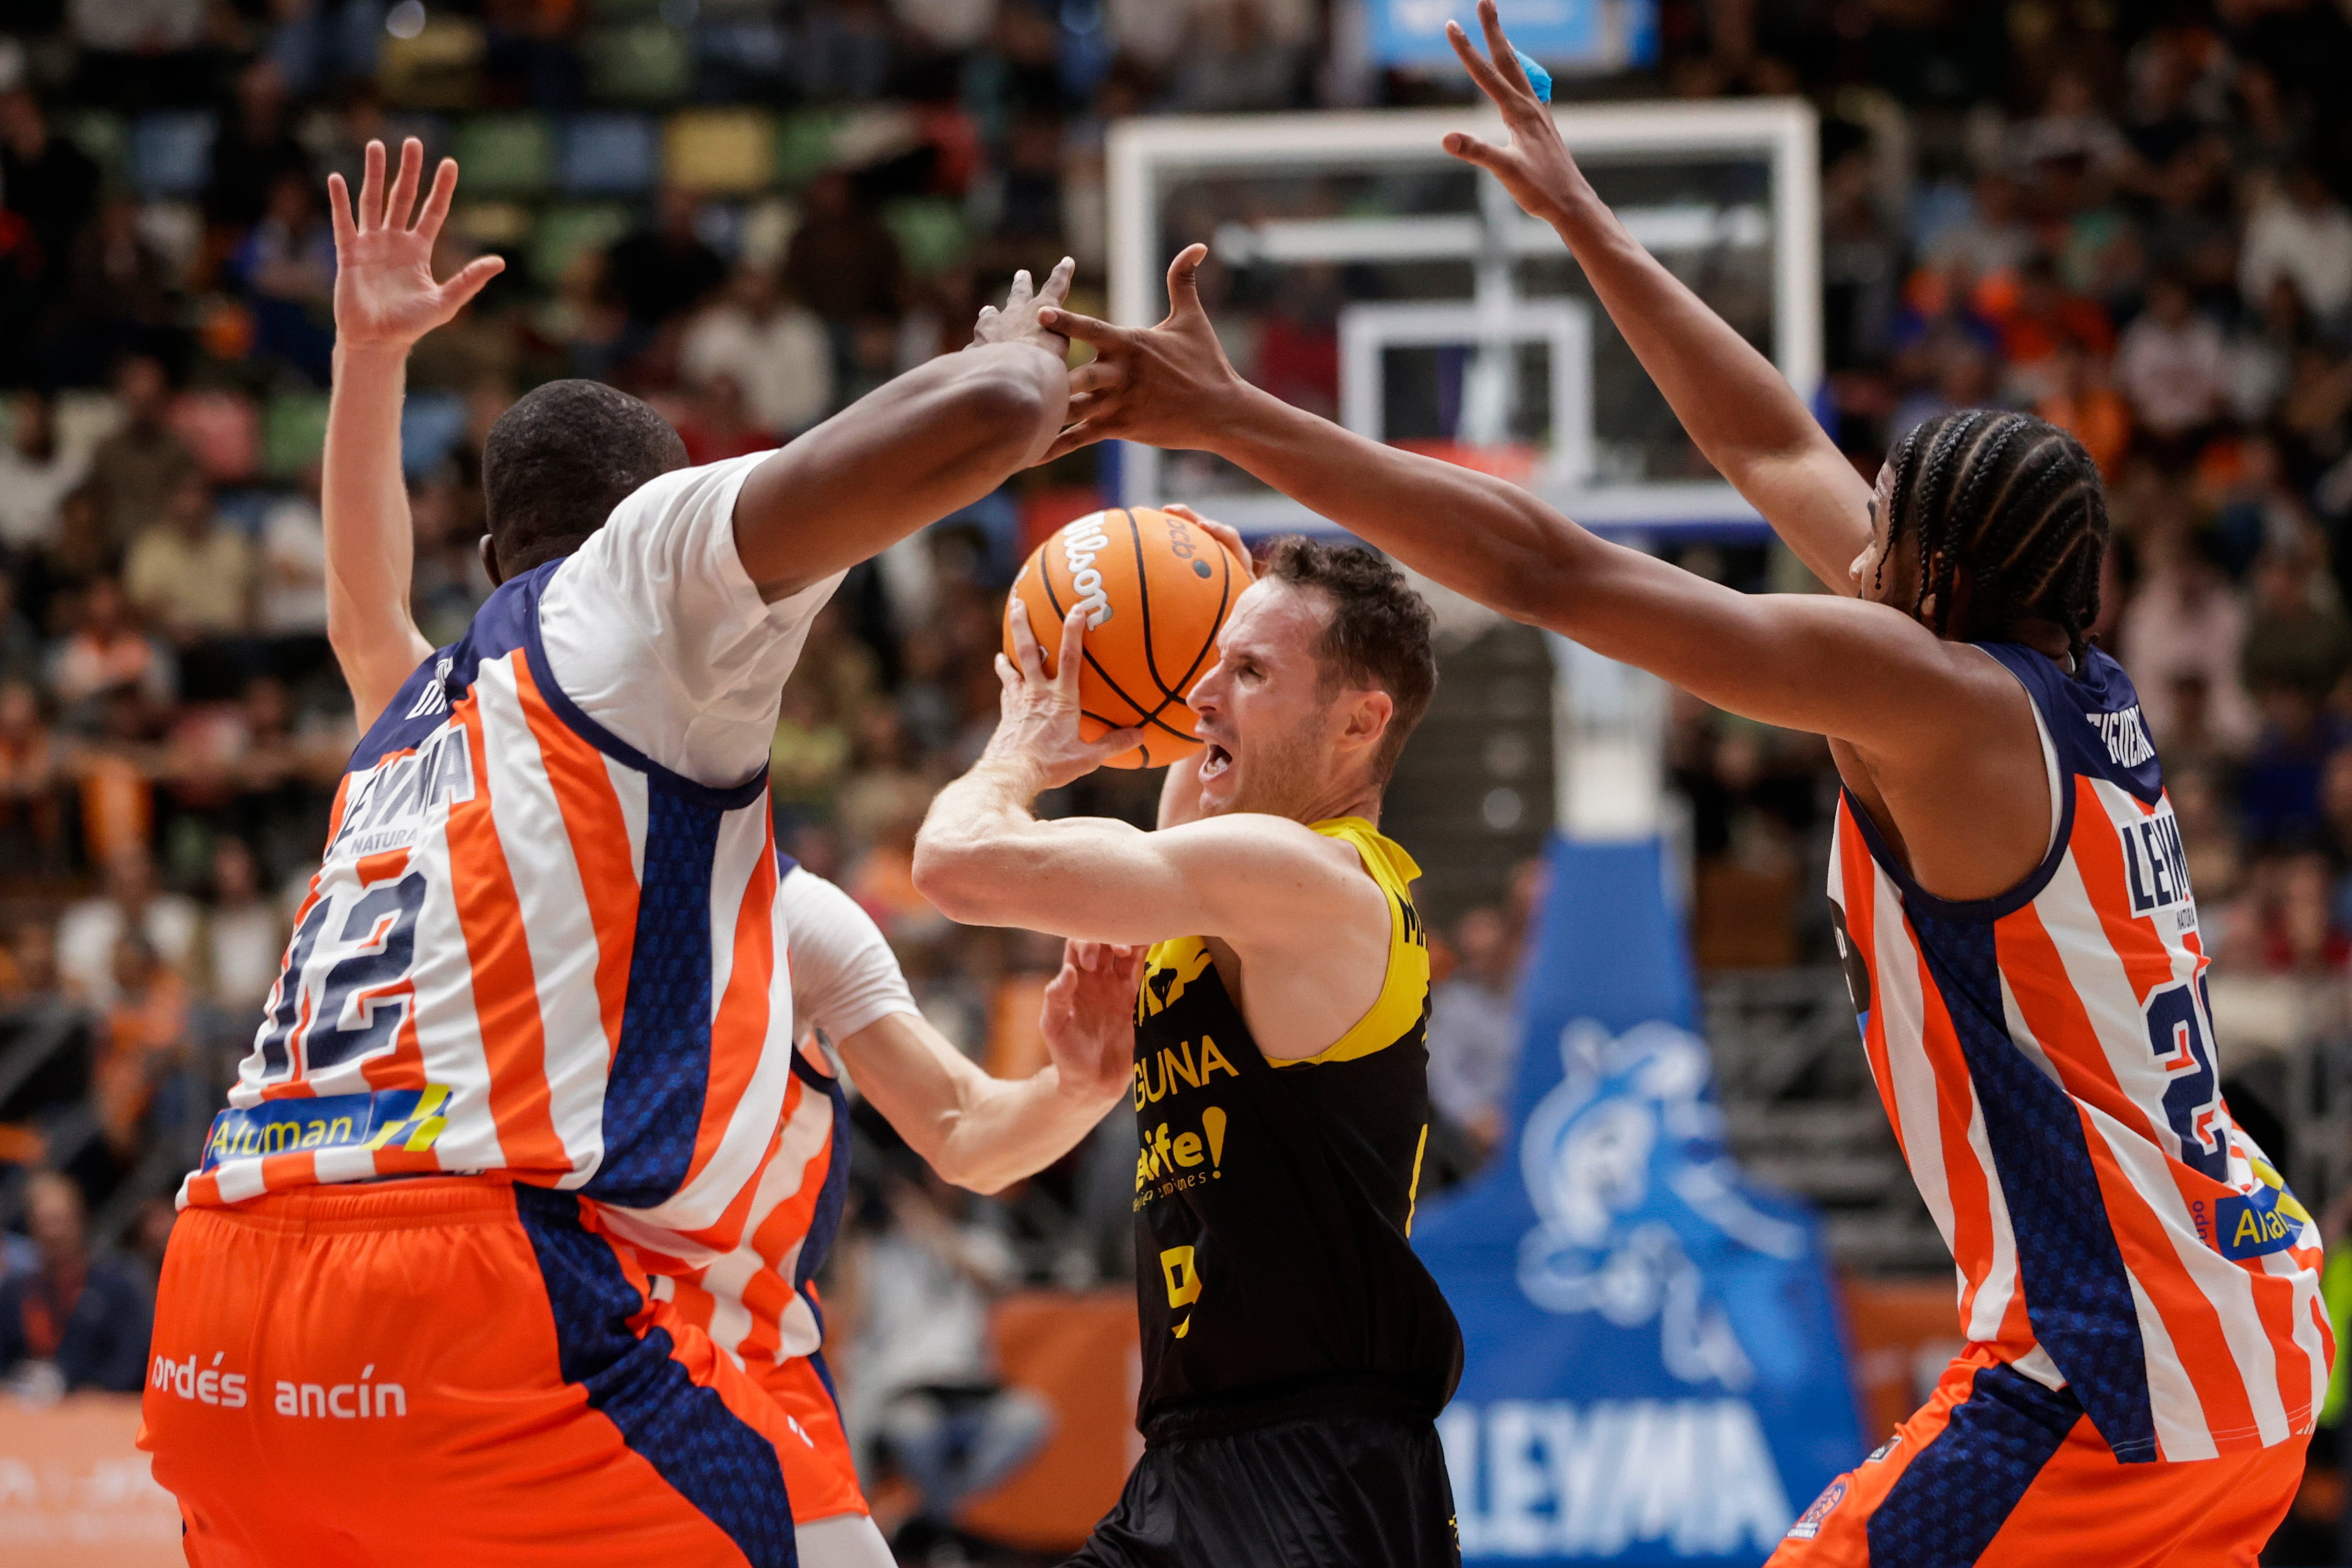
[2010, 521]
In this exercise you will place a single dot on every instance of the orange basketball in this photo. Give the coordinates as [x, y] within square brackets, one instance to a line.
[1156, 588]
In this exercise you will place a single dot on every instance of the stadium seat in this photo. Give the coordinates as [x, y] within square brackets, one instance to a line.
[431, 425]
[805, 146]
[494, 226]
[102, 136]
[639, 62]
[441, 67]
[506, 154]
[931, 233]
[723, 151]
[565, 231]
[222, 428]
[293, 432]
[609, 155]
[171, 152]
[738, 59]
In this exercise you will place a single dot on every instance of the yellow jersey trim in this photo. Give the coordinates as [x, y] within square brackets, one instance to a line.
[1404, 989]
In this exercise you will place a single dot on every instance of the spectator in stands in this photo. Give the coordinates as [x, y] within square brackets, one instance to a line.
[926, 1374]
[843, 263]
[2184, 623]
[2302, 235]
[36, 474]
[107, 650]
[20, 646]
[663, 271]
[775, 349]
[32, 827]
[123, 295]
[46, 181]
[288, 266]
[718, 426]
[146, 1041]
[135, 470]
[2172, 366]
[243, 937]
[254, 151]
[194, 578]
[131, 904]
[1473, 1029]
[2081, 402]
[290, 613]
[81, 1318]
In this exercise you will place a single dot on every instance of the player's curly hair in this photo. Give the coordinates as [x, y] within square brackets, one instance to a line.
[2010, 521]
[558, 462]
[1380, 635]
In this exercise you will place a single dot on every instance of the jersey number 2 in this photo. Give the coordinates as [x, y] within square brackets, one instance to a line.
[2192, 1099]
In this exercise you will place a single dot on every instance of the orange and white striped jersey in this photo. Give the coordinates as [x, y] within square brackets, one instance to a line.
[2048, 1060]
[542, 944]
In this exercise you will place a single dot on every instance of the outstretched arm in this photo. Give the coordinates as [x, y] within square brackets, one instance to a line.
[1748, 421]
[1841, 667]
[386, 299]
[985, 1133]
[908, 453]
[984, 858]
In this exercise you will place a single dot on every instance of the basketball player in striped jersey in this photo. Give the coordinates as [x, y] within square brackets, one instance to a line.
[2138, 1289]
[1296, 1352]
[537, 999]
[760, 1302]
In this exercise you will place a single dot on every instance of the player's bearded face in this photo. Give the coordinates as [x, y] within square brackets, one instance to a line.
[1263, 709]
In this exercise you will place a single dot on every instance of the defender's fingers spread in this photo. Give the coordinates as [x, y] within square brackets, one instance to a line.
[1481, 69]
[436, 200]
[1470, 149]
[371, 187]
[472, 278]
[339, 212]
[404, 186]
[1085, 328]
[1184, 281]
[1506, 58]
[1096, 376]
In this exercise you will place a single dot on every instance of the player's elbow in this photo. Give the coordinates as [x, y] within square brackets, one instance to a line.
[953, 871]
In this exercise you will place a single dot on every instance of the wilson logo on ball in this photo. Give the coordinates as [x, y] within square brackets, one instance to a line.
[1155, 592]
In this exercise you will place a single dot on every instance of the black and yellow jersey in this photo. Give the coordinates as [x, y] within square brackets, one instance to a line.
[1274, 1199]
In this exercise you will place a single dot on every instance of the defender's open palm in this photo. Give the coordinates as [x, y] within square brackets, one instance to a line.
[385, 295]
[1167, 386]
[1534, 165]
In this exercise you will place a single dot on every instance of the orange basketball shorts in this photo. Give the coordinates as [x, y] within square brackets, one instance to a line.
[1997, 1472]
[452, 1370]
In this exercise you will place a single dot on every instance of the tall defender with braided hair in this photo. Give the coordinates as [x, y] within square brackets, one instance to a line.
[2138, 1292]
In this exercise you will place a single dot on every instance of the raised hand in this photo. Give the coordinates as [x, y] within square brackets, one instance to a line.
[1024, 307]
[385, 295]
[1088, 1018]
[1534, 165]
[1165, 386]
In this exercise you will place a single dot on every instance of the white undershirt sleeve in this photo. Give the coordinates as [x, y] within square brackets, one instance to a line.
[845, 976]
[654, 629]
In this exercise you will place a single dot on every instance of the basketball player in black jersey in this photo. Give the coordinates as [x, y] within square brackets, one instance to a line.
[1296, 1352]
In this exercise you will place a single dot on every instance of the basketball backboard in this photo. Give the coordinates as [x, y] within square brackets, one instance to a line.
[1358, 270]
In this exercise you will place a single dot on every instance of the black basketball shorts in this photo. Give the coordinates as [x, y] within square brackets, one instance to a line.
[1339, 1489]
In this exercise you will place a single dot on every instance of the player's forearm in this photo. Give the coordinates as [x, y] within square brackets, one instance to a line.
[1476, 533]
[1014, 1128]
[370, 545]
[928, 444]
[1744, 416]
[983, 858]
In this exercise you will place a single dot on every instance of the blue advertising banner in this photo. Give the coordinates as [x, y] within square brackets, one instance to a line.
[1579, 35]
[1656, 1371]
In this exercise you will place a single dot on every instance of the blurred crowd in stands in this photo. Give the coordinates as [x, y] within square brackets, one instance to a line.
[2131, 219]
